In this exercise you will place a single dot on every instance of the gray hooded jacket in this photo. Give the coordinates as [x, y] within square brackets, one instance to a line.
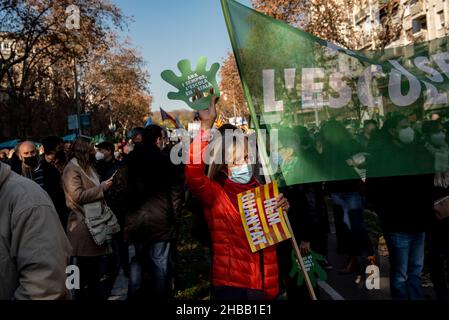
[34, 250]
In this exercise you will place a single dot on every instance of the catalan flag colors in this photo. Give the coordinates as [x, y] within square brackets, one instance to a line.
[166, 116]
[264, 224]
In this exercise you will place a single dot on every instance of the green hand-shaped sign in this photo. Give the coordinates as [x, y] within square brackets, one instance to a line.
[192, 81]
[314, 269]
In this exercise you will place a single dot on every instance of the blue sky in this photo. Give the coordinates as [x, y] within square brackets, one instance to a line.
[166, 31]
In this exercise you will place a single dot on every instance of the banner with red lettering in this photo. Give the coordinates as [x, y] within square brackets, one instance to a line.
[264, 223]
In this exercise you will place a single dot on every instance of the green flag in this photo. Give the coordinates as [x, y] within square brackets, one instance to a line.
[318, 96]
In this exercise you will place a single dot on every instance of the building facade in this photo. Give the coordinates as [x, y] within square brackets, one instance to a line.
[419, 20]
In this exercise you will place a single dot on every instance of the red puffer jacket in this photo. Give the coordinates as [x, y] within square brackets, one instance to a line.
[233, 262]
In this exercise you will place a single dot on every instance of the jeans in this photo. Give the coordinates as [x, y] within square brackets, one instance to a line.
[154, 259]
[353, 207]
[406, 254]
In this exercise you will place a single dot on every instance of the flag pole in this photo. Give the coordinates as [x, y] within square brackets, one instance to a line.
[300, 260]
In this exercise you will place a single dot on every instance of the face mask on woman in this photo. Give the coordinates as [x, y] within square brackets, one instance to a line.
[407, 135]
[241, 174]
[438, 139]
[99, 156]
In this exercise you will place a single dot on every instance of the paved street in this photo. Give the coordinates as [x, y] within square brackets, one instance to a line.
[346, 285]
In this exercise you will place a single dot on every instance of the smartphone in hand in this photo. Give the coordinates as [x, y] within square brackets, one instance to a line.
[113, 175]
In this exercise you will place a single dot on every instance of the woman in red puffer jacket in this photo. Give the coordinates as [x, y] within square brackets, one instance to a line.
[237, 273]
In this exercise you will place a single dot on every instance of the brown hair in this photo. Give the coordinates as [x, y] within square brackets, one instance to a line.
[80, 150]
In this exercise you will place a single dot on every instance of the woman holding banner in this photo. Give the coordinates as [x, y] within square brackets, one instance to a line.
[237, 273]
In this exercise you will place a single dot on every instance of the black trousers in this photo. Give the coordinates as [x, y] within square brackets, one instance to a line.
[96, 277]
[439, 257]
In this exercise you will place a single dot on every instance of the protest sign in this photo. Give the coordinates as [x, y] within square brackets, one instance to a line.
[311, 265]
[192, 81]
[264, 223]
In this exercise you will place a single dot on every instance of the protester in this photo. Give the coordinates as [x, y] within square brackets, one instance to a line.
[237, 273]
[137, 135]
[341, 156]
[34, 250]
[402, 201]
[84, 197]
[54, 154]
[435, 142]
[155, 197]
[369, 129]
[438, 232]
[108, 167]
[30, 167]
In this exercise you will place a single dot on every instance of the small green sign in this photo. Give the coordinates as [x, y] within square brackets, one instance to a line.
[192, 81]
[313, 268]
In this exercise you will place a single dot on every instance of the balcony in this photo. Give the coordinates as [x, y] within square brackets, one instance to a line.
[420, 36]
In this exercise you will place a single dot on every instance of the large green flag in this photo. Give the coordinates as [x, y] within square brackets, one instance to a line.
[319, 96]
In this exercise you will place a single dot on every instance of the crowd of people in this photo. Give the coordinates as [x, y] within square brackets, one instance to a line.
[399, 171]
[106, 208]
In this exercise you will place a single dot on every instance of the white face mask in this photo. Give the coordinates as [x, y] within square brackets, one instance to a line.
[438, 139]
[99, 156]
[241, 174]
[407, 135]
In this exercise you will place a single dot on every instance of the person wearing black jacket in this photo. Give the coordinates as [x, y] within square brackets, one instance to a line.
[436, 137]
[340, 153]
[108, 167]
[155, 198]
[52, 183]
[403, 201]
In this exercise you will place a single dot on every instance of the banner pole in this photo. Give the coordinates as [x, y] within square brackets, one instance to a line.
[300, 260]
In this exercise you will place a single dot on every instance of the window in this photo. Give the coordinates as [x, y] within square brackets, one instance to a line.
[440, 20]
[418, 25]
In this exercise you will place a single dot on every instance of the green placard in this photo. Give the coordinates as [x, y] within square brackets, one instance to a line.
[313, 268]
[192, 80]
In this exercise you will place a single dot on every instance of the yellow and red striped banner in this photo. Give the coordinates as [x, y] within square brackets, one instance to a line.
[264, 223]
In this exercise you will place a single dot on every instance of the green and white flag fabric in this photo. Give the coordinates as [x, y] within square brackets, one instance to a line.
[318, 95]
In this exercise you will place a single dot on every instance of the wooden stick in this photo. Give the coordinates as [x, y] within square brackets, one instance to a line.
[300, 260]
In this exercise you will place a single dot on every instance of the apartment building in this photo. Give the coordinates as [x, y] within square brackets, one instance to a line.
[421, 20]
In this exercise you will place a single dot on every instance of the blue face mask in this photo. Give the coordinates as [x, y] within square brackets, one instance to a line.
[241, 174]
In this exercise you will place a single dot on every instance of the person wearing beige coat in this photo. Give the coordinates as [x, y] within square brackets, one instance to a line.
[83, 190]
